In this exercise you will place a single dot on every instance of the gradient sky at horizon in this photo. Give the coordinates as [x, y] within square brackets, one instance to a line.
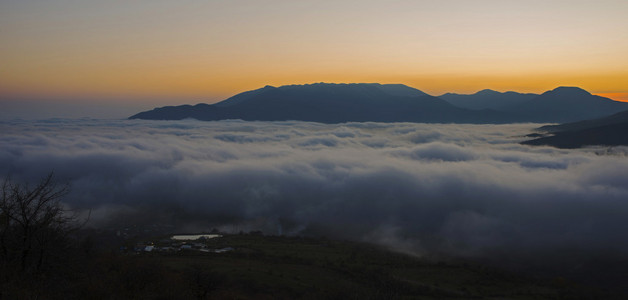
[171, 52]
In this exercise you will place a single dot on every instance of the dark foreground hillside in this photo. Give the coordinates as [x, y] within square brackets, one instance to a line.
[258, 267]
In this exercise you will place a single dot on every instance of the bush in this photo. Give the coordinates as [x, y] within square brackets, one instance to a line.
[34, 225]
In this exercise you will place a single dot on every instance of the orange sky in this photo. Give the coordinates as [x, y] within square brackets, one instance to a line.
[615, 96]
[204, 51]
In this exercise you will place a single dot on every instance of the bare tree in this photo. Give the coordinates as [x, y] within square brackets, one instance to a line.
[32, 221]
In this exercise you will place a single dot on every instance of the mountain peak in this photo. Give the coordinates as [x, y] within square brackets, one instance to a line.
[397, 89]
[487, 92]
[402, 90]
[569, 91]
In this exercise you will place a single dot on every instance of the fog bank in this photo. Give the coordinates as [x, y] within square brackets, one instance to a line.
[460, 189]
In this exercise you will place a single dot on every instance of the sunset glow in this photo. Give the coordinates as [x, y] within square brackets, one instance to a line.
[615, 96]
[200, 51]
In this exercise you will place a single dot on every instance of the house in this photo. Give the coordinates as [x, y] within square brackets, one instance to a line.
[223, 250]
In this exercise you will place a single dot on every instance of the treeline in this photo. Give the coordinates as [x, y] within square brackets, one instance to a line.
[44, 254]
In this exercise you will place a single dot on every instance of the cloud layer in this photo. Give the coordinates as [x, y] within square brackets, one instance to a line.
[463, 189]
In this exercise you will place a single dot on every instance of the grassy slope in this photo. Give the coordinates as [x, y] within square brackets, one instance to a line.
[277, 267]
[267, 267]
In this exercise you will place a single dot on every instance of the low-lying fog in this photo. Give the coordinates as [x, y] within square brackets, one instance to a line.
[460, 189]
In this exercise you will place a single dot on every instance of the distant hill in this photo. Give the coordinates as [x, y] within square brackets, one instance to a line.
[607, 131]
[563, 104]
[567, 104]
[488, 99]
[361, 102]
[331, 103]
[617, 118]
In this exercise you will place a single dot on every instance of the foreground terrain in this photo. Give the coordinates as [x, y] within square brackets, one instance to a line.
[463, 190]
[270, 267]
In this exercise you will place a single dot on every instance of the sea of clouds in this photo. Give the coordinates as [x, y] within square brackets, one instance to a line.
[461, 189]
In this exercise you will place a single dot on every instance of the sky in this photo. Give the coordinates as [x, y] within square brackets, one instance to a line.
[131, 55]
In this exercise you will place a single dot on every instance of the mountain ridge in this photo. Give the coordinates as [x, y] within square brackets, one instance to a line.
[361, 102]
[568, 104]
[487, 99]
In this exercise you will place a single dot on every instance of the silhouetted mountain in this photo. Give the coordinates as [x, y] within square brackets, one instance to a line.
[359, 102]
[563, 104]
[487, 99]
[399, 90]
[608, 131]
[567, 104]
[243, 97]
[331, 103]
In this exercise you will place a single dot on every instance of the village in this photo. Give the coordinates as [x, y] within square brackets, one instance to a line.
[175, 243]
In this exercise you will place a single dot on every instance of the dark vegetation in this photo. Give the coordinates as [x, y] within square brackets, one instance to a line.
[46, 256]
[33, 225]
[35, 235]
[270, 267]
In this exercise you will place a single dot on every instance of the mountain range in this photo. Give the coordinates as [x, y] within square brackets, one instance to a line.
[361, 102]
[488, 99]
